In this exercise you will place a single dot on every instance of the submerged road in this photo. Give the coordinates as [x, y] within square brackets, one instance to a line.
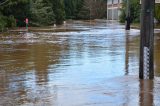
[92, 64]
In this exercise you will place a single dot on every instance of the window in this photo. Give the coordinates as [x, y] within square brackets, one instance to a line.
[115, 1]
[109, 2]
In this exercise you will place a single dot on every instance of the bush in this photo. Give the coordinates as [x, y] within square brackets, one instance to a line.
[3, 22]
[11, 22]
[7, 22]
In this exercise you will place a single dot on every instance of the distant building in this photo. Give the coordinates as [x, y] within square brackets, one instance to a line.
[113, 9]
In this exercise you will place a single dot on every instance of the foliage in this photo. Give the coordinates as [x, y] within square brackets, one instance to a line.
[17, 9]
[2, 22]
[11, 22]
[59, 11]
[134, 11]
[101, 9]
[157, 12]
[93, 9]
[41, 13]
[72, 8]
[47, 12]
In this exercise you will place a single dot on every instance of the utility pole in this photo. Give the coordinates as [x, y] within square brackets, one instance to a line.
[146, 69]
[128, 15]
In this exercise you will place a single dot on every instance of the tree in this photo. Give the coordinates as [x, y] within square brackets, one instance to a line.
[72, 8]
[93, 9]
[7, 12]
[157, 12]
[69, 8]
[42, 13]
[101, 9]
[18, 9]
[58, 9]
[134, 10]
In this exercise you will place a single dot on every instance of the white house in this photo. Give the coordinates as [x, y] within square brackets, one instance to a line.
[113, 9]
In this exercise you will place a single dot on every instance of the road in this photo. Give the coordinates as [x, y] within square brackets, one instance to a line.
[93, 64]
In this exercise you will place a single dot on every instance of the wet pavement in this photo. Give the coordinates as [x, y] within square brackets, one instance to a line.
[95, 64]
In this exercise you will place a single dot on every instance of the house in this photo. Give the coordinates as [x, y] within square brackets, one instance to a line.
[113, 9]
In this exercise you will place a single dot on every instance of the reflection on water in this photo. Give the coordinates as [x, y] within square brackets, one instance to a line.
[146, 92]
[96, 66]
[127, 54]
[157, 54]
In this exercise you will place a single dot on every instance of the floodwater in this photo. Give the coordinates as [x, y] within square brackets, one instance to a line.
[96, 64]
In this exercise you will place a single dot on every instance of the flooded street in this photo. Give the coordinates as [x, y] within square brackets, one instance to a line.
[95, 64]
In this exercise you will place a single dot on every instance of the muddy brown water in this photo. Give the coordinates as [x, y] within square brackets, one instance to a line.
[95, 65]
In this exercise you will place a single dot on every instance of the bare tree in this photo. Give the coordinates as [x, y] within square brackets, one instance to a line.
[93, 9]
